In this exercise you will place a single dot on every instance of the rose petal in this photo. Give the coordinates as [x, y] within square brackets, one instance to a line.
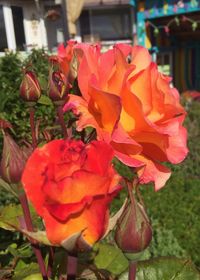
[92, 222]
[153, 172]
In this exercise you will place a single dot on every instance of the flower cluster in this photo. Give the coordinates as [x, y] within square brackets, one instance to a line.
[136, 114]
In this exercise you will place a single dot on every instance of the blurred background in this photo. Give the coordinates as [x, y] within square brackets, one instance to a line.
[170, 29]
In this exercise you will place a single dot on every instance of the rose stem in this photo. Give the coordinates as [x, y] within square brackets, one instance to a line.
[61, 120]
[132, 270]
[130, 187]
[71, 267]
[132, 264]
[32, 124]
[50, 261]
[29, 225]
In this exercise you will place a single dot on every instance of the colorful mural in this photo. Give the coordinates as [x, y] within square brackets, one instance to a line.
[171, 30]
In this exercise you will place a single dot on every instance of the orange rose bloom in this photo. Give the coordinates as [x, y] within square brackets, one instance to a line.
[133, 107]
[65, 55]
[70, 185]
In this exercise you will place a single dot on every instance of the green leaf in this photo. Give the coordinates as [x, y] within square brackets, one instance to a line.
[45, 100]
[10, 220]
[36, 276]
[39, 236]
[24, 270]
[110, 258]
[7, 187]
[25, 251]
[9, 217]
[165, 268]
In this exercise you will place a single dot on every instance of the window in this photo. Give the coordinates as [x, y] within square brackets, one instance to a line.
[110, 24]
[17, 14]
[3, 40]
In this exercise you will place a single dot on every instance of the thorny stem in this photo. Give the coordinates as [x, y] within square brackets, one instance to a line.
[61, 120]
[32, 124]
[29, 225]
[72, 262]
[132, 270]
[50, 262]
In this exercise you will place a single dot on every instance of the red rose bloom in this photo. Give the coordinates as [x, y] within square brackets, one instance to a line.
[71, 184]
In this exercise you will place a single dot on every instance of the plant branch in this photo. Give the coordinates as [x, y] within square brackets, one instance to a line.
[72, 262]
[132, 270]
[61, 120]
[29, 225]
[32, 124]
[50, 261]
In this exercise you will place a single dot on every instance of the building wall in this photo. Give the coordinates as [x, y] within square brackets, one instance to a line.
[35, 31]
[33, 24]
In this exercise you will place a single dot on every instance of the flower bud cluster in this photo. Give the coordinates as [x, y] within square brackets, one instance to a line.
[58, 86]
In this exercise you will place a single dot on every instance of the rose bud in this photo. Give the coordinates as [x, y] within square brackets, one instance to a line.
[57, 87]
[133, 233]
[13, 160]
[4, 124]
[30, 90]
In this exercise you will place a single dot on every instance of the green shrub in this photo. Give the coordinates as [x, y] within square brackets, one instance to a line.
[12, 107]
[10, 78]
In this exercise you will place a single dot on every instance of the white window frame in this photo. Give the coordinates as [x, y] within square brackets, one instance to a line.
[9, 26]
[10, 32]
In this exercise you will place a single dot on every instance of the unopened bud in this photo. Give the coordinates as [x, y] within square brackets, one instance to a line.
[4, 124]
[13, 160]
[30, 90]
[57, 87]
[133, 233]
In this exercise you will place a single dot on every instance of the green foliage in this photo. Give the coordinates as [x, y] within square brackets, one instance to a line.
[10, 217]
[176, 208]
[110, 258]
[165, 268]
[27, 271]
[164, 243]
[12, 107]
[10, 78]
